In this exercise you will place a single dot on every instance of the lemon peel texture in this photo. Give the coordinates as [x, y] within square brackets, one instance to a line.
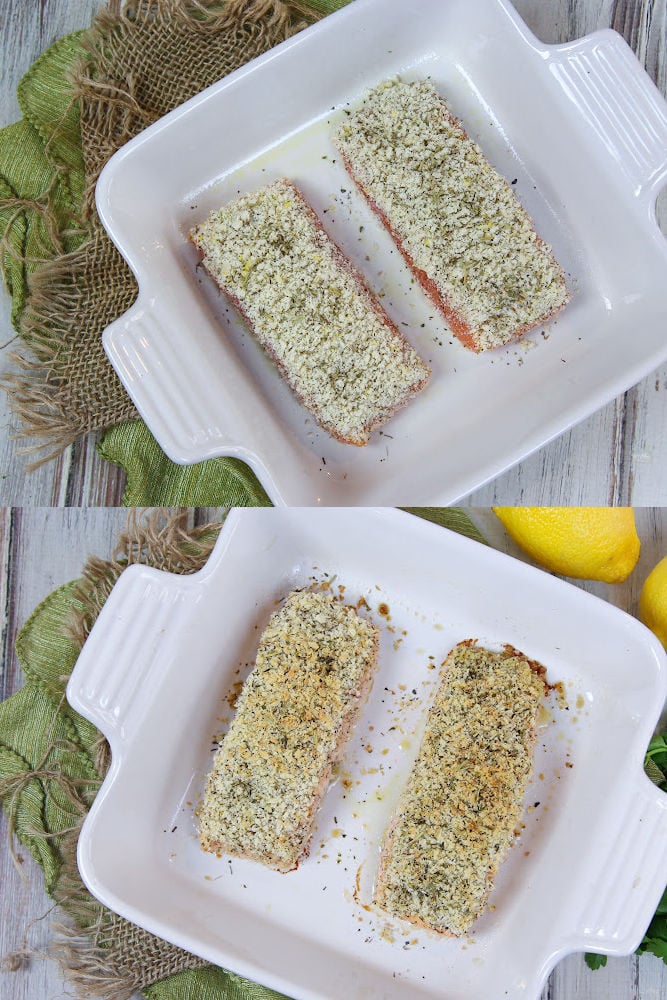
[587, 543]
[653, 601]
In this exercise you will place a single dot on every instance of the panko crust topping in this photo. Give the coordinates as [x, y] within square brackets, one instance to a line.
[458, 223]
[314, 667]
[310, 310]
[457, 815]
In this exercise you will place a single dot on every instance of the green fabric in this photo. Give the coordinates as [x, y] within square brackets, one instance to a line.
[155, 481]
[453, 518]
[45, 98]
[326, 6]
[41, 733]
[41, 156]
[209, 984]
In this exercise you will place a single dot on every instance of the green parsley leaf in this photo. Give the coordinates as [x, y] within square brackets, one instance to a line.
[657, 946]
[595, 961]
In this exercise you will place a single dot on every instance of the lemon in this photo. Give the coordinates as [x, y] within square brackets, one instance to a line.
[589, 543]
[653, 601]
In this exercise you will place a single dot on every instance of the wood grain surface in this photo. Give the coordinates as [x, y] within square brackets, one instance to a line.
[615, 456]
[39, 549]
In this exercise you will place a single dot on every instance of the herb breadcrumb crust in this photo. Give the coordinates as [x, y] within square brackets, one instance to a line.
[458, 224]
[456, 817]
[314, 668]
[310, 310]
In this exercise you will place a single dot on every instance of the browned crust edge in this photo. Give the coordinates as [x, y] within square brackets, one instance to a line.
[457, 323]
[365, 291]
[389, 837]
[308, 822]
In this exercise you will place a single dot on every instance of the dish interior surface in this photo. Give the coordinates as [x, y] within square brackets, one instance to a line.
[479, 413]
[314, 932]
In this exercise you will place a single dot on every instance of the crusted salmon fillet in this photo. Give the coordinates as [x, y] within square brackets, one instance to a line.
[314, 668]
[456, 817]
[456, 221]
[311, 310]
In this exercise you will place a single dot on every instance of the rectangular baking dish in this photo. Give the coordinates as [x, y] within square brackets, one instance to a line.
[579, 127]
[156, 674]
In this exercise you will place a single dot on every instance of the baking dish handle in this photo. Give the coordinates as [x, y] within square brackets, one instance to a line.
[150, 366]
[620, 103]
[115, 677]
[631, 879]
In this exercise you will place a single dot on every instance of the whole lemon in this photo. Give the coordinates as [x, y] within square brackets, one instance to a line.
[653, 601]
[589, 543]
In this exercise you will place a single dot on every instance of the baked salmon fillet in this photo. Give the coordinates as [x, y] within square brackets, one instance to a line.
[457, 222]
[310, 310]
[456, 817]
[313, 671]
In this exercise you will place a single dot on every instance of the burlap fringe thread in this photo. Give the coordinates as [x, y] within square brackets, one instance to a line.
[52, 389]
[143, 57]
[156, 539]
[101, 954]
[115, 108]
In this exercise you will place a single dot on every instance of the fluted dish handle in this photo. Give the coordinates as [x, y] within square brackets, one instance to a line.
[620, 105]
[631, 877]
[120, 666]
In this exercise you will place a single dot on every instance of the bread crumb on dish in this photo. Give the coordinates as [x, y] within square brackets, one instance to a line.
[310, 310]
[456, 818]
[456, 221]
[313, 672]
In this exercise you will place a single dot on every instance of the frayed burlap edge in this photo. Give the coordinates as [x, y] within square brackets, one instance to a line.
[154, 538]
[100, 953]
[36, 385]
[92, 79]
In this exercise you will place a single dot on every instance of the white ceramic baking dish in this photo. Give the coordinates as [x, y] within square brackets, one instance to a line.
[154, 676]
[581, 129]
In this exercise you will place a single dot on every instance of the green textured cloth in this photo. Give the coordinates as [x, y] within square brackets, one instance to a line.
[209, 984]
[154, 481]
[52, 761]
[41, 172]
[39, 731]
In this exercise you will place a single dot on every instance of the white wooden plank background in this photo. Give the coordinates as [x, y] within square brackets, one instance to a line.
[616, 456]
[40, 549]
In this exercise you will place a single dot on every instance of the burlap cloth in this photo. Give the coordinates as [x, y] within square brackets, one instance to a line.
[85, 98]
